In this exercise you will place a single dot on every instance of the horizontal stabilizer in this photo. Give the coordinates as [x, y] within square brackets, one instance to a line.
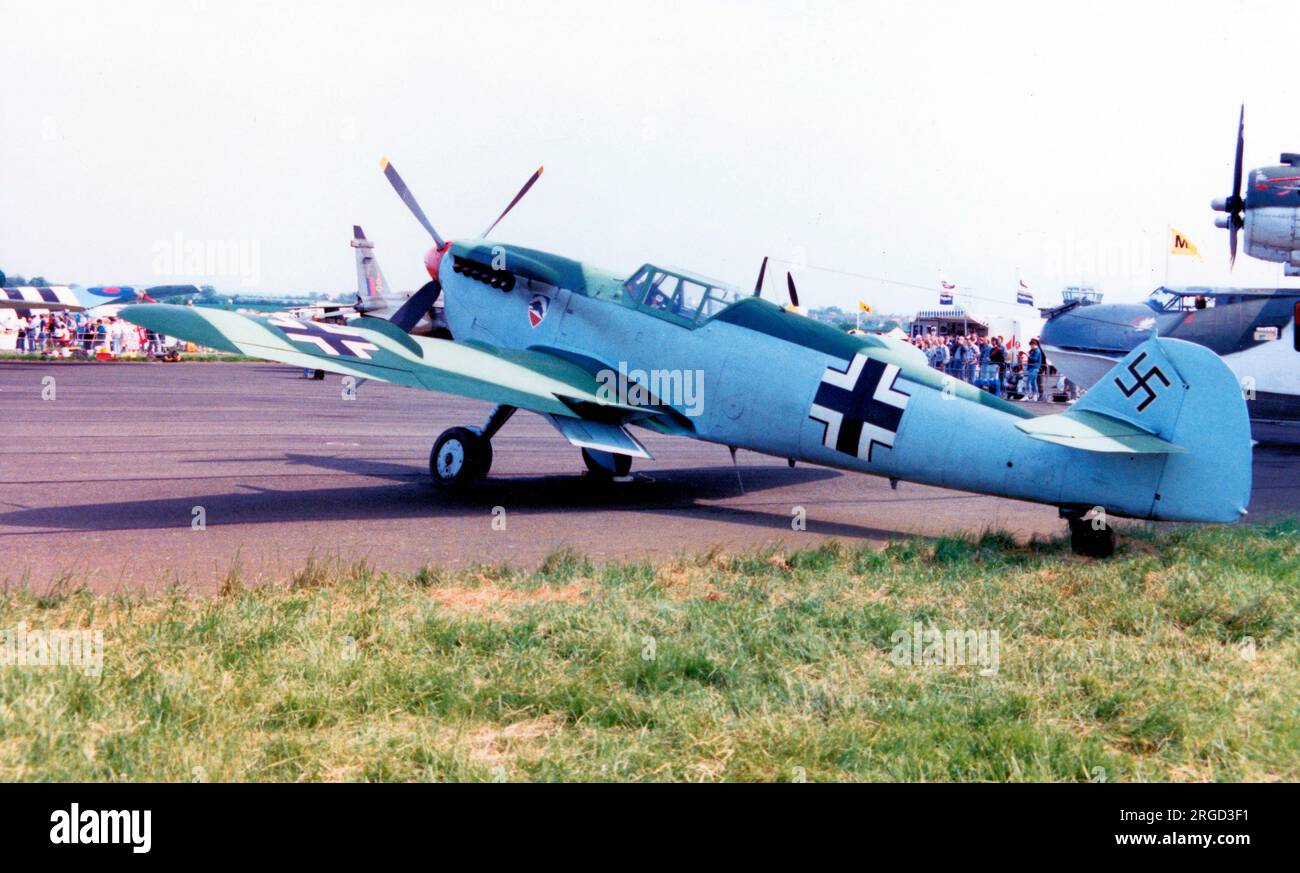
[1094, 432]
[599, 436]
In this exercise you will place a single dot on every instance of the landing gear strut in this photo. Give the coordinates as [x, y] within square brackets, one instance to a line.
[462, 456]
[1091, 540]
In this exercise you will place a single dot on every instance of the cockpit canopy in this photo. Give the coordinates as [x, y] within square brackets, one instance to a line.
[1187, 299]
[679, 296]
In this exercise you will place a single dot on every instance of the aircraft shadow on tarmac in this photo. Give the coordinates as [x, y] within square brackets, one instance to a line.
[412, 496]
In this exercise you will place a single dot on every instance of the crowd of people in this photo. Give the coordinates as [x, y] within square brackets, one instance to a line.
[990, 363]
[76, 333]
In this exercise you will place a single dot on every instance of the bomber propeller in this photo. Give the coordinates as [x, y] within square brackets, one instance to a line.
[1233, 205]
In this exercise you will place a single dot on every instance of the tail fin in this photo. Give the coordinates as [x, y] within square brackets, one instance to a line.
[373, 293]
[1183, 395]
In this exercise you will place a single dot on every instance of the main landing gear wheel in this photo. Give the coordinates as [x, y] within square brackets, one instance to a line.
[606, 465]
[1090, 542]
[460, 457]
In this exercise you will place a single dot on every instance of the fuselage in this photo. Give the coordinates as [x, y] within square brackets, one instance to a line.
[778, 383]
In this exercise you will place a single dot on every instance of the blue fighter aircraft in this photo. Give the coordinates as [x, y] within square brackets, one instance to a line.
[1163, 436]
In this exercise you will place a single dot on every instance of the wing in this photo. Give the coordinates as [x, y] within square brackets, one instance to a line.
[526, 379]
[52, 307]
[40, 298]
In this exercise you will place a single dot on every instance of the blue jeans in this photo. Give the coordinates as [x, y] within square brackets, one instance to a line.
[989, 375]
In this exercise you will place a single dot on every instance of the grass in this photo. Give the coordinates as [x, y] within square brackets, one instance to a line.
[1177, 660]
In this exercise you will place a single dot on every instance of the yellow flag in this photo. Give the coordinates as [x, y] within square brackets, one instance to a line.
[1179, 244]
[864, 306]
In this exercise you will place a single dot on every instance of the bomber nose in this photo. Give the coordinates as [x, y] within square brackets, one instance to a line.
[1102, 327]
[1057, 327]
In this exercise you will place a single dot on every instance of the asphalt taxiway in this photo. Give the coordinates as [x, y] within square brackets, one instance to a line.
[103, 483]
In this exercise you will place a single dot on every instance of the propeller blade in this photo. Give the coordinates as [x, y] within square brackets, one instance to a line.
[1236, 167]
[417, 306]
[762, 271]
[409, 199]
[794, 295]
[1236, 205]
[520, 196]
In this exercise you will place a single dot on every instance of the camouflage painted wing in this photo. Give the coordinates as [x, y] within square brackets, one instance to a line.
[380, 351]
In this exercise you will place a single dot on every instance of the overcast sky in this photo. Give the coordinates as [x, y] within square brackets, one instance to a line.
[889, 139]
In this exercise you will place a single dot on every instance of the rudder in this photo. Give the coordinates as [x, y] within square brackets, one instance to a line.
[1184, 394]
[373, 293]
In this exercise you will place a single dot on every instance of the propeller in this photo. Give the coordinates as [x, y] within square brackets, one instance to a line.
[762, 271]
[794, 295]
[520, 196]
[409, 199]
[1234, 205]
[433, 258]
[410, 312]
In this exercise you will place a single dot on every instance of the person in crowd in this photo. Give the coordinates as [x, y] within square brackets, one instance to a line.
[62, 332]
[959, 355]
[987, 372]
[1017, 372]
[998, 363]
[972, 360]
[939, 355]
[1034, 370]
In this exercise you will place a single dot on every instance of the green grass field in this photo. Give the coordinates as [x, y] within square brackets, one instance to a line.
[1177, 660]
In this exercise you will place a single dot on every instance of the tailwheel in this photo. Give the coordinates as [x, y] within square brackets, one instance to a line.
[460, 457]
[1092, 542]
[606, 465]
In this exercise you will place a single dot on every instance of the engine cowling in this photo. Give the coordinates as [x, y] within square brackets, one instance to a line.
[1272, 213]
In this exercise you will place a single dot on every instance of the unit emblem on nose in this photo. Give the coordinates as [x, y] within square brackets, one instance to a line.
[859, 407]
[537, 308]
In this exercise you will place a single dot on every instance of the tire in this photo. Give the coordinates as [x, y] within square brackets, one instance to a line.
[457, 459]
[606, 465]
[484, 457]
[1090, 543]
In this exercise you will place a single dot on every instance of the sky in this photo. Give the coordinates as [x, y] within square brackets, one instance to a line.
[236, 143]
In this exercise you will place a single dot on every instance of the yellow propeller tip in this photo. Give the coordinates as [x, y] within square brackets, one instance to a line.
[383, 162]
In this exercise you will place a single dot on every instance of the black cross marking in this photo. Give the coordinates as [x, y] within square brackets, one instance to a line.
[859, 407]
[342, 341]
[1141, 381]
